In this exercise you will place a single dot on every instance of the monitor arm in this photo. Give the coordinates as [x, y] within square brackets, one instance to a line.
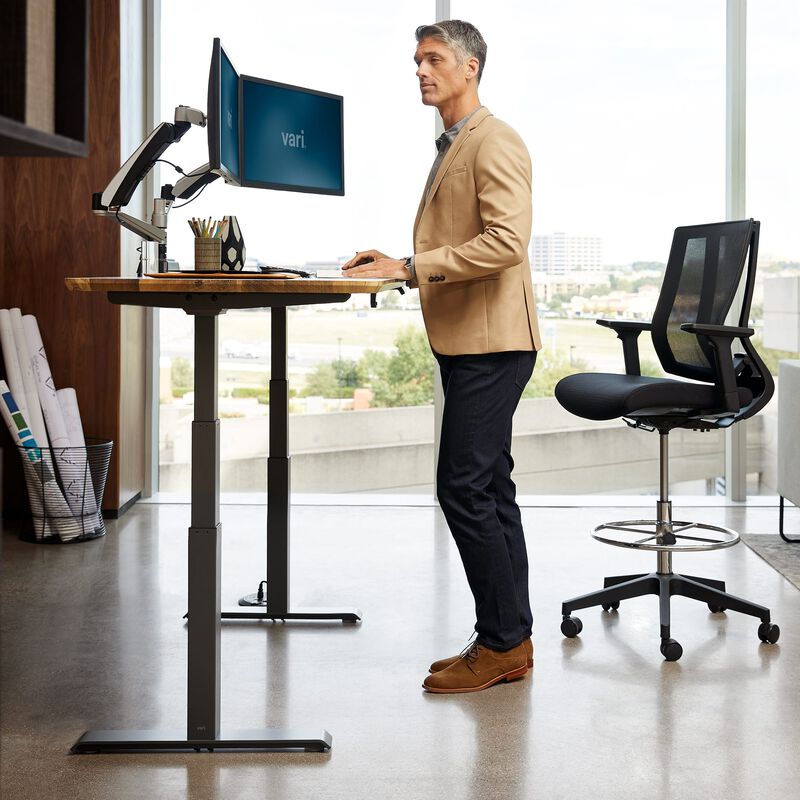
[120, 189]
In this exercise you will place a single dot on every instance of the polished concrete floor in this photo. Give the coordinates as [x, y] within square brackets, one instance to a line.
[92, 637]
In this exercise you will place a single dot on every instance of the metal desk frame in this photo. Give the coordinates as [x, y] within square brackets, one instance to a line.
[205, 533]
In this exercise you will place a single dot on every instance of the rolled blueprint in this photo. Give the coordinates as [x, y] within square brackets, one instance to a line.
[11, 360]
[47, 501]
[45, 387]
[69, 470]
[34, 415]
[68, 400]
[79, 482]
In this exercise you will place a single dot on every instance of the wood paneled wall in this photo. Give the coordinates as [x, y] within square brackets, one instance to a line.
[47, 232]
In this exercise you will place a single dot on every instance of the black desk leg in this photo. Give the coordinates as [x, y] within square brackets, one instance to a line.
[205, 549]
[204, 628]
[276, 603]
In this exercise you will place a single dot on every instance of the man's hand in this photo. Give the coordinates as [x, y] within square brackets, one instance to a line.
[374, 264]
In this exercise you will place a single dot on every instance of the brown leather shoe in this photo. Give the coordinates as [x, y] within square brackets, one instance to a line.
[478, 669]
[444, 663]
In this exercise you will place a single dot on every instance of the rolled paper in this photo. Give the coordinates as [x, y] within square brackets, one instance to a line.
[17, 427]
[77, 481]
[34, 415]
[11, 360]
[68, 400]
[44, 384]
[68, 463]
[47, 500]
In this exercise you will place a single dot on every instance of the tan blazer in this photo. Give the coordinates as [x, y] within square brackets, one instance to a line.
[471, 242]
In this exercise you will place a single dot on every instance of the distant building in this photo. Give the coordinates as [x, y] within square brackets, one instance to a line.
[558, 253]
[546, 284]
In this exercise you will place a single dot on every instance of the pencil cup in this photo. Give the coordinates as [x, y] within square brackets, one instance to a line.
[207, 252]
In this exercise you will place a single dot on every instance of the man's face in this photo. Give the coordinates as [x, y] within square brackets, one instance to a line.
[441, 77]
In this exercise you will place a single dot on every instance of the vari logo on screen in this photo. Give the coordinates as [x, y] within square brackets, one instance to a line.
[294, 139]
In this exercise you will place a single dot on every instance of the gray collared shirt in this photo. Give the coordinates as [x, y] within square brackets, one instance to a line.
[443, 144]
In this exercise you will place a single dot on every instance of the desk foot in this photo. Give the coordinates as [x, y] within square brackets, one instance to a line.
[175, 740]
[257, 610]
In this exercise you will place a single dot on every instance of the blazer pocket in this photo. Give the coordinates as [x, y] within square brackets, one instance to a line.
[455, 171]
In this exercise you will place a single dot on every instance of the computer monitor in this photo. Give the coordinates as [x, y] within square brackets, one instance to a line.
[223, 117]
[291, 138]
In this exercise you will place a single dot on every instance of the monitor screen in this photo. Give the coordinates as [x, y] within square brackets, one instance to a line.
[223, 115]
[291, 138]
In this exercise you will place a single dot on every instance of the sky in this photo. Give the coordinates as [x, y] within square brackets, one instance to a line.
[621, 104]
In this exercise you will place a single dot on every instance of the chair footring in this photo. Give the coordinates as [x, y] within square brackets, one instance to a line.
[669, 537]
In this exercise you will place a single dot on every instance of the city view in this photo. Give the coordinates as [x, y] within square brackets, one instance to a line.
[623, 110]
[363, 379]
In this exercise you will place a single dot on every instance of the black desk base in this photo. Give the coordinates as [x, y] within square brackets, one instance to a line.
[174, 740]
[202, 730]
[257, 610]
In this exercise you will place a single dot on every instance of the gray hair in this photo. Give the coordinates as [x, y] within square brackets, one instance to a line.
[463, 38]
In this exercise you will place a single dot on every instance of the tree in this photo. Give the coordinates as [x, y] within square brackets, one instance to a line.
[373, 365]
[639, 266]
[404, 378]
[390, 301]
[550, 368]
[181, 374]
[333, 379]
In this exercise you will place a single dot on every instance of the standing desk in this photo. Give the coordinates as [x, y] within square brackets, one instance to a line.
[205, 298]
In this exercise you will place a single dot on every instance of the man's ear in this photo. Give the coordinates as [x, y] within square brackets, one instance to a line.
[472, 66]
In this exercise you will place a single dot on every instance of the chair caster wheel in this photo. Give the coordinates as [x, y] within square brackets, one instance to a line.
[611, 606]
[716, 609]
[767, 632]
[571, 627]
[671, 650]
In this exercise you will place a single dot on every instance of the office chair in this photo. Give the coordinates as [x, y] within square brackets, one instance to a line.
[692, 341]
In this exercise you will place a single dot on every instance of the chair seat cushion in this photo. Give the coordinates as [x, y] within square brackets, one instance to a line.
[601, 395]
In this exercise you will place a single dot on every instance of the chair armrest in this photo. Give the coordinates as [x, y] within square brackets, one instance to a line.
[625, 325]
[722, 331]
[628, 331]
[721, 338]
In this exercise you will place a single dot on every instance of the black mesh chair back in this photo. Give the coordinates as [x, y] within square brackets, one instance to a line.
[703, 273]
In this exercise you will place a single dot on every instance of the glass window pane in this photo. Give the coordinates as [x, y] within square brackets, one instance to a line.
[337, 354]
[622, 106]
[773, 174]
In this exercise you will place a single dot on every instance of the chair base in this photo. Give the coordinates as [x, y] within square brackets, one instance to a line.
[665, 585]
[665, 536]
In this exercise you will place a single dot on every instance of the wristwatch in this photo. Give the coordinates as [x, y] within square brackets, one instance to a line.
[407, 262]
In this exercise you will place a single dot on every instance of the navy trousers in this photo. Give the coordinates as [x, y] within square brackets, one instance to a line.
[476, 492]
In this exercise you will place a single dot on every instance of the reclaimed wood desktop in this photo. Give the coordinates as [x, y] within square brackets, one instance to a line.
[205, 298]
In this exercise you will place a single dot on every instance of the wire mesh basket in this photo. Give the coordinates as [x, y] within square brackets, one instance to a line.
[65, 488]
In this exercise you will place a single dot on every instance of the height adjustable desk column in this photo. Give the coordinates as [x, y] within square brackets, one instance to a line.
[206, 299]
[275, 602]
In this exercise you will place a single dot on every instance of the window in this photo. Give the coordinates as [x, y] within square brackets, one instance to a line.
[773, 174]
[346, 48]
[622, 105]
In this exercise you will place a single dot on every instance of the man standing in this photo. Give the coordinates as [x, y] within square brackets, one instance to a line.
[471, 266]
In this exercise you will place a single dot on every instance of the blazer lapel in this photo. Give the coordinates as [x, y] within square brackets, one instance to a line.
[458, 142]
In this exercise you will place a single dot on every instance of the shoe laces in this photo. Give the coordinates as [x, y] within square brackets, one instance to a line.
[470, 652]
